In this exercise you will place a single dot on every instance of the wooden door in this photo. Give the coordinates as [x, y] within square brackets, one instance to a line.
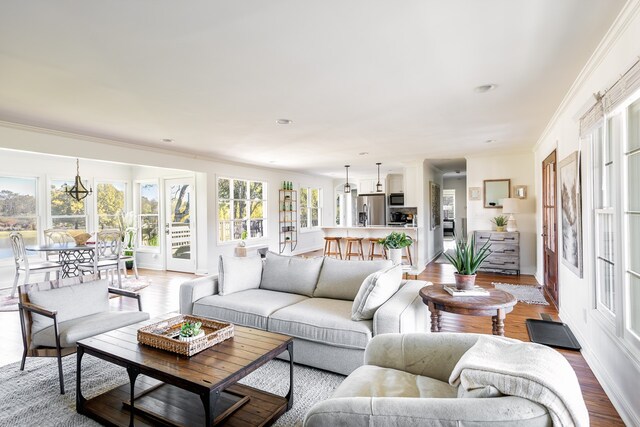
[549, 226]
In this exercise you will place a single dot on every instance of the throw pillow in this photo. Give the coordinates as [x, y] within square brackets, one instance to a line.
[341, 279]
[237, 274]
[482, 392]
[290, 274]
[376, 289]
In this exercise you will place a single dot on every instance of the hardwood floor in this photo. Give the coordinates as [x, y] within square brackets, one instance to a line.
[162, 297]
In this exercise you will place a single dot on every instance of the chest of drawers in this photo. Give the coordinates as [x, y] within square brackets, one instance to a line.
[505, 251]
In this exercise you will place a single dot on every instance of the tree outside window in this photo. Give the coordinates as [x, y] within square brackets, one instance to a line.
[66, 212]
[449, 203]
[310, 207]
[241, 207]
[110, 201]
[149, 215]
[18, 212]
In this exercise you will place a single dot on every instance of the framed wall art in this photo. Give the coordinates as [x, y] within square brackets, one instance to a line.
[434, 196]
[571, 213]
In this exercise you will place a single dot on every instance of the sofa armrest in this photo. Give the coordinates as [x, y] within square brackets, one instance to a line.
[410, 411]
[432, 355]
[192, 290]
[404, 311]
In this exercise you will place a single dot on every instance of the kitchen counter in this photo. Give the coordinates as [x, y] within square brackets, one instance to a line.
[372, 227]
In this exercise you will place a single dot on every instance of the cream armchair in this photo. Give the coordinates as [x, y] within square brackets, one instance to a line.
[404, 382]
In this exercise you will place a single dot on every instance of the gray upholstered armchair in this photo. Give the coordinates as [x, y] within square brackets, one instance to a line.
[404, 382]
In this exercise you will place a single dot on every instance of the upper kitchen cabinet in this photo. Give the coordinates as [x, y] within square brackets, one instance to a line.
[395, 183]
[411, 186]
[368, 185]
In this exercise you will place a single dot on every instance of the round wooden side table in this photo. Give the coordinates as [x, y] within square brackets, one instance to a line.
[497, 304]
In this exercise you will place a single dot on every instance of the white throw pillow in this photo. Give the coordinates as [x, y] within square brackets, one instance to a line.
[376, 289]
[237, 274]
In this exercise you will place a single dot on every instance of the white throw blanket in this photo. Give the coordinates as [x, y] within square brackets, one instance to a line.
[526, 370]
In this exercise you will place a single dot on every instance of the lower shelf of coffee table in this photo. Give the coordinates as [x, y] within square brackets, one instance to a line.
[163, 404]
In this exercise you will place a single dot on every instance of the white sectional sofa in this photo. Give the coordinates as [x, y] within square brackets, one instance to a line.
[310, 299]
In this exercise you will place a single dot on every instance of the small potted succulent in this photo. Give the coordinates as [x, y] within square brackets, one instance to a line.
[467, 260]
[243, 239]
[190, 331]
[500, 221]
[394, 243]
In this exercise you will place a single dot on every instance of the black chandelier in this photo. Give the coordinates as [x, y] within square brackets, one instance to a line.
[78, 191]
[378, 185]
[347, 187]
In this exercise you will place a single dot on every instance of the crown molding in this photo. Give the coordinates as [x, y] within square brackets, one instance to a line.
[629, 11]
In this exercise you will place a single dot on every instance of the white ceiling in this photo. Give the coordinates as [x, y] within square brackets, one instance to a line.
[395, 79]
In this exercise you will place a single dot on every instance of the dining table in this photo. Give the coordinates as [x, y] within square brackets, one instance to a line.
[70, 255]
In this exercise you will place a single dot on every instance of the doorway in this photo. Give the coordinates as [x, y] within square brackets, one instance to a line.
[180, 228]
[550, 227]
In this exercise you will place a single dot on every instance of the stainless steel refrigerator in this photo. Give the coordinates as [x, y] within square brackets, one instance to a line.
[372, 209]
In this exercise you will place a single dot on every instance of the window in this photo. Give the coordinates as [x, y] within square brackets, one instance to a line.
[449, 203]
[18, 212]
[66, 212]
[110, 200]
[632, 222]
[242, 207]
[148, 215]
[604, 214]
[310, 208]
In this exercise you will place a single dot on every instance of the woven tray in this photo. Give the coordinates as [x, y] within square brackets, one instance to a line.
[163, 335]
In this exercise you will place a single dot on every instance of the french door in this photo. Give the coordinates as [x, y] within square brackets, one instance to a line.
[549, 226]
[180, 227]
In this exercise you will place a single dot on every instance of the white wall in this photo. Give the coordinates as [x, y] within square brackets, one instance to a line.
[519, 168]
[433, 241]
[459, 184]
[617, 368]
[206, 171]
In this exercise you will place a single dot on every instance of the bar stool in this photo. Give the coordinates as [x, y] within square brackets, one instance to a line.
[373, 243]
[350, 242]
[327, 246]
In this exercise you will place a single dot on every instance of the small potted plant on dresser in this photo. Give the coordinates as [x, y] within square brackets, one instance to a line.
[467, 260]
[394, 243]
[500, 221]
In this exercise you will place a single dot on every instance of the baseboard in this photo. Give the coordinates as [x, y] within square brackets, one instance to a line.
[201, 272]
[625, 410]
[155, 267]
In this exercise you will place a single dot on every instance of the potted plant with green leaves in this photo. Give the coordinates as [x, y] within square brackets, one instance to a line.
[190, 331]
[467, 260]
[500, 221]
[394, 243]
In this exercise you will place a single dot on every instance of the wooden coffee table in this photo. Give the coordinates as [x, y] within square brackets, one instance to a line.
[497, 304]
[169, 389]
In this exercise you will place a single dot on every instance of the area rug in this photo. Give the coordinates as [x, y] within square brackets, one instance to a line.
[32, 397]
[442, 259]
[6, 302]
[524, 293]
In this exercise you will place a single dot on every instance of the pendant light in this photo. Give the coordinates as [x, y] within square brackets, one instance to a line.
[378, 185]
[347, 187]
[78, 191]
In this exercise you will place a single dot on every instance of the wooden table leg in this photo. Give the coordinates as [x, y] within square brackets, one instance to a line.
[494, 322]
[435, 318]
[500, 322]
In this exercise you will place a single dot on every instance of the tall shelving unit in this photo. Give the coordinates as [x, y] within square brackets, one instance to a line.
[288, 219]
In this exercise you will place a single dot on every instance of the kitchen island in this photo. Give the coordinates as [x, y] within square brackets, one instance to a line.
[377, 231]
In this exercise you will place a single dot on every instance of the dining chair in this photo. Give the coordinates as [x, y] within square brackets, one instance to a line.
[23, 264]
[106, 255]
[53, 236]
[129, 251]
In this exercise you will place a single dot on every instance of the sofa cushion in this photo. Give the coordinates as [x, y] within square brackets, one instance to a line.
[291, 274]
[342, 279]
[70, 302]
[247, 308]
[322, 320]
[84, 327]
[375, 381]
[376, 289]
[238, 274]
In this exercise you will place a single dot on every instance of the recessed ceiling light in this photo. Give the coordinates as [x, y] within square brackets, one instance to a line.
[167, 140]
[364, 153]
[284, 121]
[272, 161]
[490, 141]
[485, 88]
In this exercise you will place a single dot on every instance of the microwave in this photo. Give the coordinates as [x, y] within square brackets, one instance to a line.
[396, 199]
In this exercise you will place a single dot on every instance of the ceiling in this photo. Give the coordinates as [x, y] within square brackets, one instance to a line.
[393, 79]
